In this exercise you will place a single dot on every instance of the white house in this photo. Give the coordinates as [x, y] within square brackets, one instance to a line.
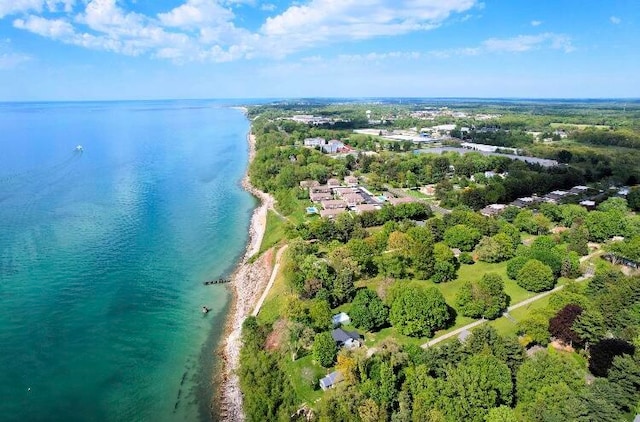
[340, 319]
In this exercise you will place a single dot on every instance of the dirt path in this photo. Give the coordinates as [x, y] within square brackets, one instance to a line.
[272, 279]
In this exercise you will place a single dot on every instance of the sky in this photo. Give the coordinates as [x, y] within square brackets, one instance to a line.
[175, 49]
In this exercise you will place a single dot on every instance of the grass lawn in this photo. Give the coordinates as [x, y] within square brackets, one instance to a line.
[275, 303]
[576, 126]
[507, 327]
[304, 375]
[449, 290]
[274, 232]
[474, 272]
[415, 194]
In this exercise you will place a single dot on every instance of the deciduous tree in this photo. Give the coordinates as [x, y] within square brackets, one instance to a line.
[484, 298]
[535, 276]
[324, 349]
[367, 310]
[419, 312]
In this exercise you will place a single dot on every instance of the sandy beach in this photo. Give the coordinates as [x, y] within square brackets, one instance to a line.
[247, 283]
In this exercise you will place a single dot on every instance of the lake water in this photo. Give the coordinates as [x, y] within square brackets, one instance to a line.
[103, 254]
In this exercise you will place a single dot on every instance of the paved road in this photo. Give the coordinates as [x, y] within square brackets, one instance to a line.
[588, 274]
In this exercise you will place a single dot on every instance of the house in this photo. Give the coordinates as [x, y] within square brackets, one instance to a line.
[309, 184]
[527, 201]
[492, 210]
[578, 190]
[351, 181]
[320, 196]
[333, 146]
[397, 201]
[624, 192]
[332, 183]
[556, 195]
[320, 189]
[314, 142]
[334, 204]
[332, 213]
[346, 339]
[588, 204]
[340, 319]
[354, 199]
[366, 208]
[341, 192]
[330, 380]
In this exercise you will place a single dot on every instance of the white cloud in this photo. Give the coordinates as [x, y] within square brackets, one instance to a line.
[11, 7]
[205, 29]
[324, 21]
[536, 23]
[58, 29]
[268, 7]
[523, 43]
[615, 20]
[195, 13]
[517, 44]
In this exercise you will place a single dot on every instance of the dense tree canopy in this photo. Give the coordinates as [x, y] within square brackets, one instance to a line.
[368, 311]
[485, 298]
[535, 276]
[324, 349]
[418, 312]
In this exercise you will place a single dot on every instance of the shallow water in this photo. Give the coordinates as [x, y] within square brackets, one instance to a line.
[103, 254]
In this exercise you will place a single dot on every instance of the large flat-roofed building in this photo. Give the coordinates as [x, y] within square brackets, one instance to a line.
[320, 196]
[333, 204]
[332, 213]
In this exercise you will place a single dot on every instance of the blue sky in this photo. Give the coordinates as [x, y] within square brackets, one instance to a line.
[155, 49]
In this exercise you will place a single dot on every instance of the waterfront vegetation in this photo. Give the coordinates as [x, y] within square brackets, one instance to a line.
[406, 275]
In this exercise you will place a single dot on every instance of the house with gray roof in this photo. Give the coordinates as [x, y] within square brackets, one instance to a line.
[346, 339]
[330, 380]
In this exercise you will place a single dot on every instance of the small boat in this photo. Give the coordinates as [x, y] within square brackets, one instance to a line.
[79, 148]
[205, 310]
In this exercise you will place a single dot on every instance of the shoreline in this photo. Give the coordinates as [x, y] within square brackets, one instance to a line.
[247, 284]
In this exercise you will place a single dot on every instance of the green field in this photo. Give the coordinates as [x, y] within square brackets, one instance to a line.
[507, 327]
[304, 375]
[416, 194]
[274, 232]
[275, 303]
[576, 126]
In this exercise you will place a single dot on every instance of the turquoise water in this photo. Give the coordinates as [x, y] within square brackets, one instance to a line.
[103, 254]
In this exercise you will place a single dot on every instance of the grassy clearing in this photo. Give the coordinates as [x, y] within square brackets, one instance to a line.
[507, 327]
[274, 232]
[416, 194]
[576, 126]
[275, 303]
[449, 290]
[474, 272]
[304, 375]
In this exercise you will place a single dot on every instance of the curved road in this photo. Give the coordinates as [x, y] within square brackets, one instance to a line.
[588, 274]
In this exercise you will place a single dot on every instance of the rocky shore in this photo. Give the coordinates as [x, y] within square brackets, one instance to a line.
[247, 284]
